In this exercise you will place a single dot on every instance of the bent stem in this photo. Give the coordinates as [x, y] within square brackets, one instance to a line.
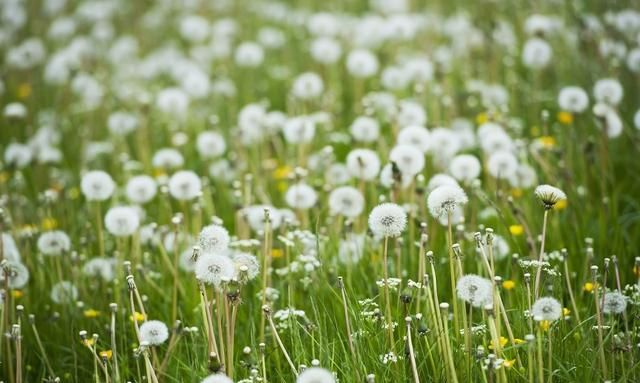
[412, 356]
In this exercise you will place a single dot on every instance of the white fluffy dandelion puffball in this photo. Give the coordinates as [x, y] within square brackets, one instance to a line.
[387, 220]
[444, 199]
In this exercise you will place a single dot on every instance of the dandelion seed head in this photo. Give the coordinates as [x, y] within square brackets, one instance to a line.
[185, 185]
[444, 199]
[346, 201]
[475, 290]
[614, 303]
[213, 238]
[549, 195]
[315, 375]
[387, 220]
[546, 308]
[363, 164]
[408, 158]
[301, 196]
[122, 221]
[54, 243]
[214, 269]
[154, 332]
[141, 189]
[97, 185]
[217, 378]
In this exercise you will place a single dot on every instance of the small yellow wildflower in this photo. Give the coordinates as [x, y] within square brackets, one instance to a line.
[88, 342]
[508, 284]
[560, 205]
[503, 342]
[107, 354]
[24, 91]
[139, 317]
[519, 341]
[544, 325]
[4, 176]
[516, 230]
[276, 253]
[74, 193]
[91, 313]
[566, 312]
[481, 118]
[17, 293]
[509, 363]
[516, 192]
[547, 141]
[159, 172]
[565, 118]
[282, 172]
[49, 223]
[588, 287]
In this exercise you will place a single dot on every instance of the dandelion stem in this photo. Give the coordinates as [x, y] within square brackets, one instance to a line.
[267, 313]
[536, 289]
[412, 356]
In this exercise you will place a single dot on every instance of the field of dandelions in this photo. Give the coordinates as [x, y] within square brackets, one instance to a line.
[319, 191]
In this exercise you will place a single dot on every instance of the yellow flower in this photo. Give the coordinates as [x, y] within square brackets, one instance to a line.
[547, 141]
[17, 293]
[106, 354]
[24, 91]
[508, 284]
[503, 342]
[282, 186]
[566, 312]
[91, 313]
[560, 205]
[509, 363]
[519, 341]
[74, 193]
[4, 176]
[282, 172]
[88, 342]
[544, 325]
[481, 118]
[158, 172]
[516, 192]
[276, 253]
[49, 223]
[516, 229]
[139, 317]
[565, 118]
[588, 287]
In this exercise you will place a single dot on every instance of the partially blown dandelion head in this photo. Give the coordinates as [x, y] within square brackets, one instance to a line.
[444, 199]
[614, 303]
[387, 220]
[246, 266]
[546, 308]
[475, 290]
[316, 375]
[213, 238]
[214, 269]
[154, 332]
[363, 164]
[549, 195]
